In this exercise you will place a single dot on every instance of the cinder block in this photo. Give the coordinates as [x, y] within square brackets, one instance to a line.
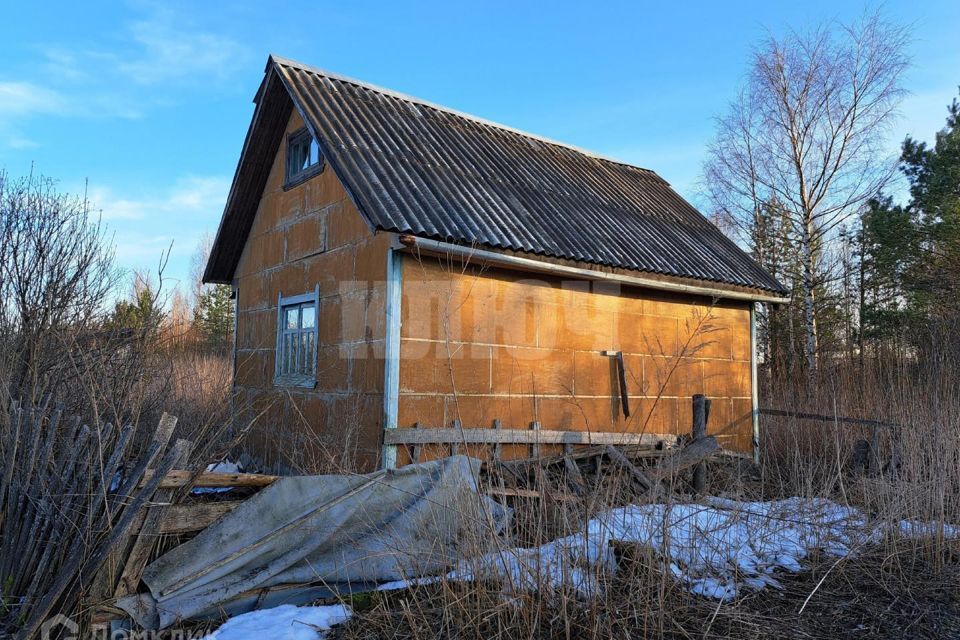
[427, 409]
[578, 413]
[289, 280]
[345, 226]
[513, 411]
[305, 237]
[443, 368]
[254, 369]
[330, 321]
[366, 364]
[678, 377]
[255, 292]
[595, 374]
[582, 327]
[532, 371]
[655, 415]
[333, 370]
[370, 264]
[329, 270]
[726, 378]
[323, 190]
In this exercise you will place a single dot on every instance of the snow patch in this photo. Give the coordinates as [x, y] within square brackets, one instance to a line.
[285, 622]
[717, 548]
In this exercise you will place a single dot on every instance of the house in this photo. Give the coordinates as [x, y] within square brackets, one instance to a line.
[398, 264]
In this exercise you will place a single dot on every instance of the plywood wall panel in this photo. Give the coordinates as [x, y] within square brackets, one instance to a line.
[303, 237]
[541, 341]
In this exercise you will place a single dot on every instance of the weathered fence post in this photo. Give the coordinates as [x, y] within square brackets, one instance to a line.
[701, 413]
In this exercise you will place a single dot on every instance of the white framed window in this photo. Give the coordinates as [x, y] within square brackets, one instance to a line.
[297, 337]
[304, 159]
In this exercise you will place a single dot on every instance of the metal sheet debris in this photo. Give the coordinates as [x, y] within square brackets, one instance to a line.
[335, 530]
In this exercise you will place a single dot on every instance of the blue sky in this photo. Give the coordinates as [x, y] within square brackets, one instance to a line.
[150, 102]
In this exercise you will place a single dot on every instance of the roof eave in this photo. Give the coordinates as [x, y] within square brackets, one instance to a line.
[542, 264]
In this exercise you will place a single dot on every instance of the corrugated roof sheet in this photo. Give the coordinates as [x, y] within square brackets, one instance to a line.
[418, 168]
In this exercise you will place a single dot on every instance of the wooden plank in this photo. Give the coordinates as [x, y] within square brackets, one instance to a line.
[535, 448]
[181, 478]
[187, 518]
[81, 564]
[497, 446]
[146, 538]
[573, 477]
[511, 492]
[523, 436]
[621, 461]
[631, 451]
[687, 457]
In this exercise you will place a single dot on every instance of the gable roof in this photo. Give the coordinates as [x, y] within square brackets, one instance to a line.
[415, 167]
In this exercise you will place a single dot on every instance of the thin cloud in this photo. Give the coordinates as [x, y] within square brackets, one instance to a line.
[192, 198]
[153, 60]
[19, 98]
[170, 53]
[174, 219]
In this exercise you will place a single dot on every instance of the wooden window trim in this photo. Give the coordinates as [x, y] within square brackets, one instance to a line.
[308, 381]
[291, 181]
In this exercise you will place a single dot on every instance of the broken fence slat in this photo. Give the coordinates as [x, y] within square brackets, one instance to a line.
[145, 540]
[455, 445]
[701, 414]
[187, 518]
[573, 477]
[624, 463]
[695, 452]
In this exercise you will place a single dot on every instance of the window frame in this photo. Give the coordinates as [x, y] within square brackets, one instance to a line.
[293, 177]
[307, 380]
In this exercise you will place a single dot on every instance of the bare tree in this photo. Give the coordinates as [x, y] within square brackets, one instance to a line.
[56, 274]
[806, 134]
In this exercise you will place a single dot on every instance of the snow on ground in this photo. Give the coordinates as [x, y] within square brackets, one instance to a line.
[717, 549]
[285, 622]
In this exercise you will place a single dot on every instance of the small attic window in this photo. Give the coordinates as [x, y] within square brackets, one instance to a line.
[304, 159]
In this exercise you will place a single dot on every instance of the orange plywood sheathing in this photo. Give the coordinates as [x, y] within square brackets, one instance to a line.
[541, 359]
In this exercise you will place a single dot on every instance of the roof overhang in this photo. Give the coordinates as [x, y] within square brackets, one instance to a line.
[426, 246]
[273, 106]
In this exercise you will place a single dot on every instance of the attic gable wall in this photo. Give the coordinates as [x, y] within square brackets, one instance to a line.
[306, 236]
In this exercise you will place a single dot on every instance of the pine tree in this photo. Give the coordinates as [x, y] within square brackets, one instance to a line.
[934, 175]
[888, 245]
[213, 316]
[140, 314]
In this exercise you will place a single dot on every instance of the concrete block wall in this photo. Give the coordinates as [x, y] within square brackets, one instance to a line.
[310, 235]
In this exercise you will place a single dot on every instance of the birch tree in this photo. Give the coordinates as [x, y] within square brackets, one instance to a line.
[807, 133]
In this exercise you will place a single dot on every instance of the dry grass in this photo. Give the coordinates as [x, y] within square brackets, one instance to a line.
[896, 588]
[885, 593]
